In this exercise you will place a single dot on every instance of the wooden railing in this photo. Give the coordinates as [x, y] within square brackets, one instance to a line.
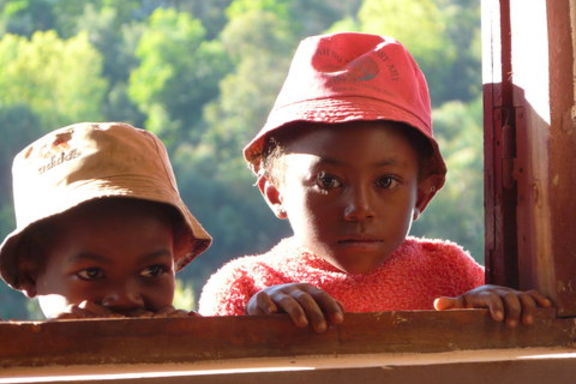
[269, 349]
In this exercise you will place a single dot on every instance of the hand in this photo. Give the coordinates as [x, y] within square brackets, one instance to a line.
[304, 304]
[170, 311]
[88, 309]
[503, 303]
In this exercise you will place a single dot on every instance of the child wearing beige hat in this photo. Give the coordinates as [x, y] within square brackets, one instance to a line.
[348, 156]
[101, 228]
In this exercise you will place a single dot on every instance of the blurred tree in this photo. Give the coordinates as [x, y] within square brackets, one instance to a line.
[456, 212]
[115, 35]
[184, 296]
[23, 126]
[211, 13]
[172, 87]
[24, 17]
[463, 30]
[58, 79]
[204, 74]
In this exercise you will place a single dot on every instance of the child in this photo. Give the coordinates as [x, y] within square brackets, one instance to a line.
[348, 157]
[101, 228]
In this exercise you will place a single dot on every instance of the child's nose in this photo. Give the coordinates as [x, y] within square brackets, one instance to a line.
[123, 298]
[359, 205]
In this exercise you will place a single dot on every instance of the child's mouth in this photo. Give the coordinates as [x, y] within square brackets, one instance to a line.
[360, 241]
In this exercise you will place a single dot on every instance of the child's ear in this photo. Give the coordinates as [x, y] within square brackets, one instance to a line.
[426, 191]
[272, 196]
[29, 289]
[27, 272]
[28, 286]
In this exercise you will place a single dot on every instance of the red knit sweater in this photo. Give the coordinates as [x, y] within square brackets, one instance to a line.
[418, 271]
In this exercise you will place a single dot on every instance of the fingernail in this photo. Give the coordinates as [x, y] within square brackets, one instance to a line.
[529, 319]
[498, 316]
[320, 327]
[338, 318]
[512, 323]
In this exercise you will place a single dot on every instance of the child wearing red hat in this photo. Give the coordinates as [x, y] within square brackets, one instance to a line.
[348, 156]
[101, 228]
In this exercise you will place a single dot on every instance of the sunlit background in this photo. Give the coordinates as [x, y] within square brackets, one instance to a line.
[202, 75]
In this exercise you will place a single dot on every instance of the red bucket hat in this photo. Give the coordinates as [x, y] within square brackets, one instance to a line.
[350, 76]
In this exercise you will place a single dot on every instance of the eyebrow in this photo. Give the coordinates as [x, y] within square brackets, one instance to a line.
[383, 163]
[155, 255]
[90, 256]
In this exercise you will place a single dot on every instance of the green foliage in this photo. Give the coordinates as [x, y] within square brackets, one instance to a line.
[177, 75]
[209, 12]
[184, 296]
[203, 76]
[238, 8]
[456, 212]
[59, 79]
[24, 17]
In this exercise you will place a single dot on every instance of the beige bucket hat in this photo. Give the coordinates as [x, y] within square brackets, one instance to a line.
[87, 161]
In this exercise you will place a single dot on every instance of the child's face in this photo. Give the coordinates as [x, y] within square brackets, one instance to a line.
[349, 193]
[120, 258]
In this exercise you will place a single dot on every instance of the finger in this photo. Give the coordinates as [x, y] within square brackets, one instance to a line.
[513, 308]
[292, 307]
[78, 313]
[165, 310]
[140, 313]
[312, 309]
[443, 303]
[94, 309]
[329, 306]
[492, 301]
[540, 299]
[170, 311]
[173, 313]
[265, 304]
[528, 307]
[494, 304]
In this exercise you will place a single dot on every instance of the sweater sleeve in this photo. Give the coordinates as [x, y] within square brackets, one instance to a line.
[459, 269]
[227, 291]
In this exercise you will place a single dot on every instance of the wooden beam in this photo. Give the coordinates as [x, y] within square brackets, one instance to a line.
[175, 340]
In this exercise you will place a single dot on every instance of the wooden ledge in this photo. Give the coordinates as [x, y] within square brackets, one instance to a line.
[184, 340]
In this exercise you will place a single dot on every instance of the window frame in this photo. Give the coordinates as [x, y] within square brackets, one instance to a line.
[529, 167]
[529, 234]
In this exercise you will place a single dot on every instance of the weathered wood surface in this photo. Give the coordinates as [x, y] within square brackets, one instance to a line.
[175, 340]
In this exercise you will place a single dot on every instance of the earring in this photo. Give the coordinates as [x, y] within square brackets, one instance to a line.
[415, 214]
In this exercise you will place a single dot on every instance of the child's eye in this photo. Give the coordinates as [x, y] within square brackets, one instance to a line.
[327, 181]
[386, 182]
[154, 270]
[91, 274]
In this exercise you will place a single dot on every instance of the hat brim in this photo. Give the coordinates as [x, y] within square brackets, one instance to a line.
[334, 110]
[196, 238]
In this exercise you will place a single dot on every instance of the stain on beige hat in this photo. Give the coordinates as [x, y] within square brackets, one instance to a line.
[87, 161]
